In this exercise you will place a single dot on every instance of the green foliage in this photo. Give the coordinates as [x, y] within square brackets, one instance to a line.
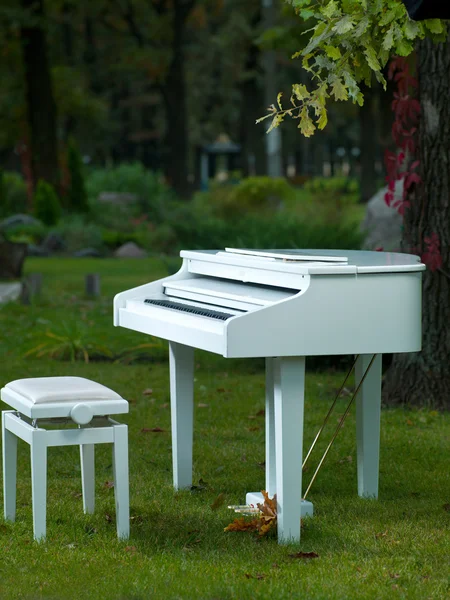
[77, 199]
[30, 234]
[151, 192]
[47, 206]
[252, 195]
[337, 191]
[79, 233]
[13, 193]
[349, 44]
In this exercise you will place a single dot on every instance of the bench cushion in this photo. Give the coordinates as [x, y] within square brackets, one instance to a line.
[40, 390]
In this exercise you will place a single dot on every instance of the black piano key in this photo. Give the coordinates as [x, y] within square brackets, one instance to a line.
[191, 309]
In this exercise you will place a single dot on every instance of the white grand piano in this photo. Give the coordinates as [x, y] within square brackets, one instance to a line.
[283, 305]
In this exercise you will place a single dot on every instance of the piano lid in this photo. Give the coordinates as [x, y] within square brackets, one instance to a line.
[358, 261]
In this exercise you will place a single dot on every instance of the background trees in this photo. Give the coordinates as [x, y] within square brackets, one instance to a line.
[150, 80]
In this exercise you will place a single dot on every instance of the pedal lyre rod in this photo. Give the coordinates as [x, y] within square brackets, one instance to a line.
[338, 428]
[319, 433]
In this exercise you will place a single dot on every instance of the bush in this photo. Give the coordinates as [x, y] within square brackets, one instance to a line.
[152, 194]
[77, 198]
[47, 206]
[13, 194]
[251, 195]
[340, 191]
[77, 233]
[30, 234]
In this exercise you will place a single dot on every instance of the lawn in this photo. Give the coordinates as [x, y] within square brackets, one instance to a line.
[396, 547]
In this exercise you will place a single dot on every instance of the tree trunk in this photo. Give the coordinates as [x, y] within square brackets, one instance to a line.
[39, 94]
[424, 378]
[174, 97]
[252, 107]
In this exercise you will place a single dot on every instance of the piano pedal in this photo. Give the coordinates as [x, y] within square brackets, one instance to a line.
[253, 498]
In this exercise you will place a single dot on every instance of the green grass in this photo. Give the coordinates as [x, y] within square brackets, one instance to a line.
[396, 547]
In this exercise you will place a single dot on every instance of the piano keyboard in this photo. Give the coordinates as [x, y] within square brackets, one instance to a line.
[189, 308]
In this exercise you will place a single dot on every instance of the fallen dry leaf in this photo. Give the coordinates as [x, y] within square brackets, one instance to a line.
[131, 549]
[109, 484]
[304, 555]
[253, 428]
[261, 413]
[242, 524]
[201, 405]
[148, 392]
[381, 534]
[108, 517]
[256, 576]
[218, 502]
[152, 430]
[394, 575]
[348, 459]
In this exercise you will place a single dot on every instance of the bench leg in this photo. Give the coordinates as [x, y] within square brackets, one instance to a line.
[9, 470]
[39, 483]
[121, 480]
[87, 458]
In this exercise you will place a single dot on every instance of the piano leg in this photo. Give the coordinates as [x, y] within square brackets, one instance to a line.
[289, 386]
[368, 409]
[181, 360]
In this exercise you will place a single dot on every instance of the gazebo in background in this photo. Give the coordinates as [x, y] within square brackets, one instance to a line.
[222, 156]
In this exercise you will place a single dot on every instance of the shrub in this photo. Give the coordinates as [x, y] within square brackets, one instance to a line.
[250, 195]
[151, 192]
[340, 191]
[47, 206]
[78, 233]
[30, 234]
[13, 193]
[77, 196]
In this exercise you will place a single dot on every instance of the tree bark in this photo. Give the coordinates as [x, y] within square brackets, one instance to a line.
[39, 94]
[424, 378]
[252, 107]
[174, 98]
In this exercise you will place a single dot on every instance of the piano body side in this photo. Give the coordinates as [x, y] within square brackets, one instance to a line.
[337, 314]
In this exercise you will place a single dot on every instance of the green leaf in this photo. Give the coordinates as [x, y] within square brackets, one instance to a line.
[279, 100]
[306, 125]
[338, 90]
[434, 25]
[388, 17]
[403, 47]
[388, 41]
[300, 91]
[333, 52]
[411, 29]
[372, 58]
[331, 10]
[323, 119]
[344, 25]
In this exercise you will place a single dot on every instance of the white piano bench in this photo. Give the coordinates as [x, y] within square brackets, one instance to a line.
[60, 402]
